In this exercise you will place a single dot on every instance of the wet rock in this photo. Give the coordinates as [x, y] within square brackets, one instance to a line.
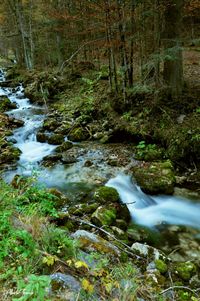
[41, 137]
[104, 216]
[92, 242]
[106, 194]
[154, 178]
[78, 134]
[88, 163]
[68, 159]
[64, 146]
[6, 104]
[63, 281]
[53, 158]
[16, 123]
[56, 139]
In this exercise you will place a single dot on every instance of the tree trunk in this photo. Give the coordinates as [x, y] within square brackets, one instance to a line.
[173, 65]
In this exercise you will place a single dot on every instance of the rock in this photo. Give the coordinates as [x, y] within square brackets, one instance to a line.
[119, 233]
[68, 159]
[147, 251]
[104, 216]
[63, 281]
[52, 158]
[106, 194]
[9, 155]
[16, 123]
[78, 134]
[41, 137]
[91, 241]
[64, 146]
[51, 124]
[64, 128]
[88, 163]
[60, 198]
[154, 178]
[6, 104]
[56, 139]
[82, 209]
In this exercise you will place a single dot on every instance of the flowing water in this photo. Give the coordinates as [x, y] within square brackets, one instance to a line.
[151, 211]
[145, 210]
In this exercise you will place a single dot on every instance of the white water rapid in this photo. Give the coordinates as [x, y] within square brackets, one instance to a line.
[25, 136]
[155, 210]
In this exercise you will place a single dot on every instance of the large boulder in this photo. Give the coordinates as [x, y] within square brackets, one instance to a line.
[156, 177]
[78, 134]
[106, 194]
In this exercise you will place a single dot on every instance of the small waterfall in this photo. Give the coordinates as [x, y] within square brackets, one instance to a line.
[155, 210]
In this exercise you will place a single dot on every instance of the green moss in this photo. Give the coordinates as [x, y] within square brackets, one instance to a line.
[106, 194]
[78, 134]
[104, 216]
[186, 270]
[56, 139]
[161, 266]
[157, 177]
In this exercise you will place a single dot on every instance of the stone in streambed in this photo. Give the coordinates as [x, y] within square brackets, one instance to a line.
[6, 104]
[64, 146]
[56, 139]
[156, 177]
[41, 137]
[106, 194]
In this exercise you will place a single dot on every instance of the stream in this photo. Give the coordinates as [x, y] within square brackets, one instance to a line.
[145, 210]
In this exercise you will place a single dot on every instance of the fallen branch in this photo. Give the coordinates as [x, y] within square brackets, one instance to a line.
[129, 252]
[180, 287]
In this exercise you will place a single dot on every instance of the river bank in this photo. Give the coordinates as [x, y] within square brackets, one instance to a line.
[93, 213]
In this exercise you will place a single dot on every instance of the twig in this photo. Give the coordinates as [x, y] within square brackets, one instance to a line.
[171, 280]
[179, 287]
[75, 53]
[130, 252]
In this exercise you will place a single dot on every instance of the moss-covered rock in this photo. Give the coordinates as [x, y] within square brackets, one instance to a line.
[6, 104]
[56, 139]
[78, 134]
[51, 124]
[64, 146]
[186, 270]
[104, 216]
[41, 137]
[157, 177]
[91, 242]
[9, 154]
[106, 194]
